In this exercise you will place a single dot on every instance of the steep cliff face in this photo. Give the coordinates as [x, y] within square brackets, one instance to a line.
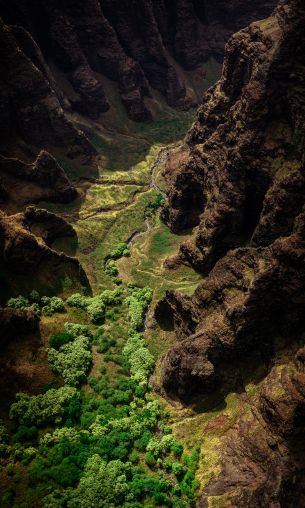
[132, 43]
[243, 155]
[31, 109]
[239, 177]
[56, 58]
[252, 297]
[262, 456]
[194, 30]
[242, 180]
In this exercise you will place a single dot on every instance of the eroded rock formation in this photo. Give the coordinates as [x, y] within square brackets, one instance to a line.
[131, 43]
[30, 107]
[239, 177]
[26, 258]
[262, 456]
[43, 180]
[247, 140]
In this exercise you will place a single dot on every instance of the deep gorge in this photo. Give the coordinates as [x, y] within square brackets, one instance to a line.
[152, 279]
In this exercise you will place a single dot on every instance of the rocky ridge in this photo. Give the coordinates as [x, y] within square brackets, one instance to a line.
[239, 178]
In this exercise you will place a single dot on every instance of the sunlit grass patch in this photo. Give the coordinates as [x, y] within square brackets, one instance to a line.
[146, 264]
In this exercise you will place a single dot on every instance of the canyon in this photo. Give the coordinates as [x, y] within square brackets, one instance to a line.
[100, 199]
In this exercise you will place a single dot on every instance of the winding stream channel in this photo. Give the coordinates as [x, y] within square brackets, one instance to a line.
[161, 159]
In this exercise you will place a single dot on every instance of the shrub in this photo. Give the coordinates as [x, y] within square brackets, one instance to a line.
[70, 434]
[111, 297]
[72, 360]
[101, 485]
[25, 433]
[42, 409]
[53, 304]
[35, 308]
[134, 457]
[120, 251]
[140, 359]
[138, 301]
[150, 459]
[158, 201]
[177, 449]
[34, 297]
[102, 369]
[47, 310]
[27, 455]
[111, 269]
[76, 330]
[178, 469]
[78, 300]
[57, 304]
[96, 310]
[3, 435]
[18, 303]
[141, 364]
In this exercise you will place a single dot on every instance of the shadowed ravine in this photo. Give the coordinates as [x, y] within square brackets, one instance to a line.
[152, 257]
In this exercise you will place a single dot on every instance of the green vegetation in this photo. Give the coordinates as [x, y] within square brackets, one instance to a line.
[120, 251]
[97, 436]
[138, 301]
[45, 305]
[72, 360]
[96, 306]
[42, 409]
[155, 203]
[108, 444]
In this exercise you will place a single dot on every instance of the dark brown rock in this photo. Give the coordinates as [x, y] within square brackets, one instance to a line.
[50, 226]
[27, 261]
[241, 178]
[235, 157]
[130, 42]
[262, 456]
[31, 107]
[14, 322]
[29, 183]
